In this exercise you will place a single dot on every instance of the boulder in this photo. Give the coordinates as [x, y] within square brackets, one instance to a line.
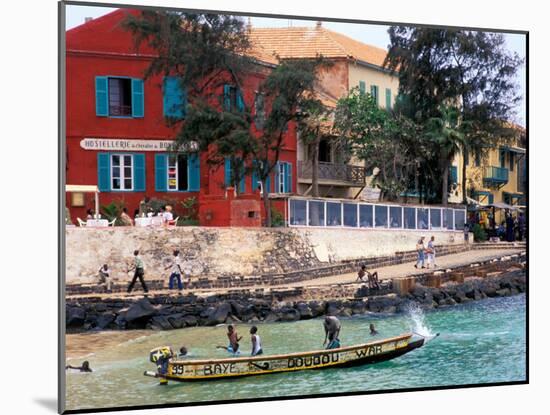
[190, 320]
[219, 314]
[272, 317]
[105, 319]
[160, 323]
[304, 310]
[289, 314]
[141, 309]
[176, 320]
[75, 316]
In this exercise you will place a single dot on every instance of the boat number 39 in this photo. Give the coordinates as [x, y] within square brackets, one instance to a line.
[177, 370]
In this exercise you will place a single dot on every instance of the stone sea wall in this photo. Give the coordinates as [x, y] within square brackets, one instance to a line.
[164, 312]
[231, 251]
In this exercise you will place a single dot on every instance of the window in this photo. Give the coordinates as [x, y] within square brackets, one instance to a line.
[374, 92]
[422, 218]
[453, 174]
[281, 174]
[121, 172]
[230, 179]
[381, 216]
[325, 151]
[448, 219]
[232, 98]
[283, 177]
[502, 158]
[396, 217]
[460, 219]
[334, 214]
[316, 213]
[119, 97]
[365, 216]
[478, 160]
[177, 173]
[259, 111]
[409, 214]
[350, 214]
[435, 218]
[388, 98]
[362, 87]
[512, 161]
[298, 212]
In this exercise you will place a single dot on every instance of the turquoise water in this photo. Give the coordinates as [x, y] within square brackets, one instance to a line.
[479, 342]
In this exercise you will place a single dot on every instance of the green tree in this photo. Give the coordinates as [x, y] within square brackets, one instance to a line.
[205, 51]
[472, 70]
[446, 134]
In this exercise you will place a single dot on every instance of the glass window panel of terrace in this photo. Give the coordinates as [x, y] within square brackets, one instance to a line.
[298, 212]
[350, 214]
[448, 219]
[422, 218]
[316, 213]
[381, 216]
[396, 217]
[460, 219]
[410, 218]
[334, 214]
[365, 216]
[435, 218]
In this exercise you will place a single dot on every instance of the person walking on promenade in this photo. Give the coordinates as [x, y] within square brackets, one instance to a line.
[139, 272]
[431, 253]
[509, 227]
[175, 273]
[256, 342]
[420, 253]
[332, 331]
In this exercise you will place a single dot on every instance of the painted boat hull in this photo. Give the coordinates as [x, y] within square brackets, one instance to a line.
[368, 353]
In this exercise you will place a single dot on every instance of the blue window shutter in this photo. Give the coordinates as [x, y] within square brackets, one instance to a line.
[174, 98]
[101, 96]
[388, 98]
[104, 172]
[453, 174]
[288, 177]
[139, 172]
[491, 199]
[194, 172]
[227, 97]
[161, 172]
[240, 102]
[362, 87]
[277, 177]
[137, 98]
[227, 172]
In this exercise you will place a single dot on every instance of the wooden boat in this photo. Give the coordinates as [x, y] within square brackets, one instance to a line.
[361, 354]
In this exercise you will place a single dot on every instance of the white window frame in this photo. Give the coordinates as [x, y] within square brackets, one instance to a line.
[282, 181]
[122, 177]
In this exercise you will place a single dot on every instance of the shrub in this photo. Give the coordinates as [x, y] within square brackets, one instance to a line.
[479, 233]
[113, 211]
[277, 218]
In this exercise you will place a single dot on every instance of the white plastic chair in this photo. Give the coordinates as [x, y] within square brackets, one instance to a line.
[112, 223]
[81, 222]
[173, 222]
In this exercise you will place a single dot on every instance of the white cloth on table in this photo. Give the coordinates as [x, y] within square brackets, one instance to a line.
[143, 221]
[97, 223]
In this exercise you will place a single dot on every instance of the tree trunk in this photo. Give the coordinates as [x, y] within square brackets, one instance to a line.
[463, 184]
[445, 181]
[267, 207]
[314, 155]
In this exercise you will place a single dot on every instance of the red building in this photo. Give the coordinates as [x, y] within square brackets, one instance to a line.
[117, 135]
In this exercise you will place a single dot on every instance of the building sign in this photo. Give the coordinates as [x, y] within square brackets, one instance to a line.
[121, 144]
[371, 194]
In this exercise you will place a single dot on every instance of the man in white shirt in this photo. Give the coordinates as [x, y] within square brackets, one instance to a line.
[175, 271]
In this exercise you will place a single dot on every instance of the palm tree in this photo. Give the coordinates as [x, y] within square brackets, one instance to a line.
[445, 132]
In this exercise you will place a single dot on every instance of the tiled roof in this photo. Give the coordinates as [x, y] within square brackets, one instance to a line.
[308, 42]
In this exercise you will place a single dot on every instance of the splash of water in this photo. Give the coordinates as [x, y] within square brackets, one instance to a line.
[418, 322]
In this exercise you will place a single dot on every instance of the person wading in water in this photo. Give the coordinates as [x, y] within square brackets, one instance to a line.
[332, 331]
[234, 340]
[84, 368]
[256, 341]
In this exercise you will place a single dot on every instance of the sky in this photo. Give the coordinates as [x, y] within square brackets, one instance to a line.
[372, 34]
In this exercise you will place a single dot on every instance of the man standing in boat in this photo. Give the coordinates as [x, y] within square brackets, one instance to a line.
[332, 331]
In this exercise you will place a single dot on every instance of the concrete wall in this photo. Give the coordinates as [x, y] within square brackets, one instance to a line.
[229, 251]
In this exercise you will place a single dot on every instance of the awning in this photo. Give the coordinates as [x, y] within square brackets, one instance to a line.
[502, 205]
[83, 188]
[513, 149]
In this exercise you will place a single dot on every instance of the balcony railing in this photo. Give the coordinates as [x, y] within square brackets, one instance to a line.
[120, 110]
[344, 173]
[497, 175]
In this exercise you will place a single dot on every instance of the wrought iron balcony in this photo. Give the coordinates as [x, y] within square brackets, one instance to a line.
[495, 175]
[342, 173]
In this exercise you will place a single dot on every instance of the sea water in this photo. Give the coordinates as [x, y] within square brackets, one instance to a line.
[479, 342]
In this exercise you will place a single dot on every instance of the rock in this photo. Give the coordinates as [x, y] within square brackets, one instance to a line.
[272, 317]
[219, 314]
[503, 292]
[142, 309]
[176, 320]
[289, 314]
[358, 307]
[317, 309]
[389, 310]
[304, 310]
[75, 317]
[190, 320]
[344, 312]
[160, 323]
[105, 319]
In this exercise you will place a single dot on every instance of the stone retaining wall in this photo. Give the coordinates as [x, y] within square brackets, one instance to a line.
[235, 252]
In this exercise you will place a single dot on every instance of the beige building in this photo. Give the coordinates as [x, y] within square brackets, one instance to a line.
[354, 64]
